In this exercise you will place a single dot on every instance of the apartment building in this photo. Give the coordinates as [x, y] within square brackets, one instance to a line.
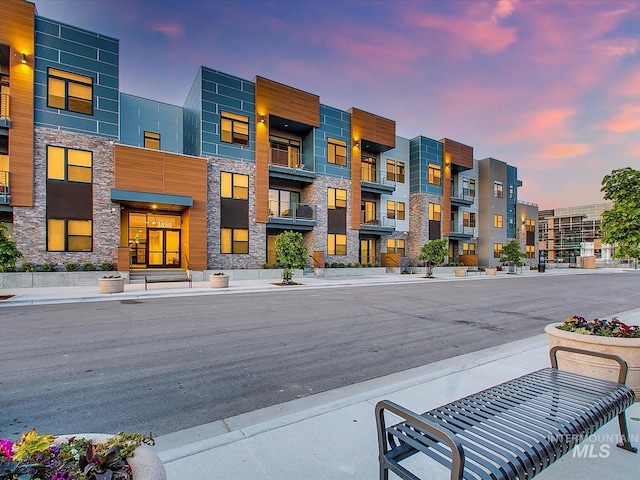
[91, 174]
[570, 234]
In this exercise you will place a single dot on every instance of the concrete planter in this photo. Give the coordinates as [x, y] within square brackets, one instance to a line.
[219, 281]
[145, 464]
[627, 348]
[111, 285]
[490, 271]
[460, 272]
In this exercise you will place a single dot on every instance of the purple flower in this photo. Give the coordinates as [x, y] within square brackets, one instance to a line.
[6, 446]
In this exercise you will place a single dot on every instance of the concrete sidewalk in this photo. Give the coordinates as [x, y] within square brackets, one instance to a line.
[332, 435]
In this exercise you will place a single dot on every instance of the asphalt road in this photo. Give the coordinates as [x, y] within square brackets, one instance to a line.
[165, 364]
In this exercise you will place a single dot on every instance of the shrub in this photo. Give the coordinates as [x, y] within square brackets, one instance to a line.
[88, 267]
[71, 266]
[107, 266]
[47, 267]
[27, 267]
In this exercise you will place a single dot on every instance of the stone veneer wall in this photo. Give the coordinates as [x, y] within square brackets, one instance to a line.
[257, 231]
[29, 223]
[407, 259]
[419, 223]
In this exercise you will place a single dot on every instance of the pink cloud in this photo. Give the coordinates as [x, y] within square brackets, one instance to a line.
[627, 120]
[170, 29]
[543, 125]
[565, 150]
[634, 150]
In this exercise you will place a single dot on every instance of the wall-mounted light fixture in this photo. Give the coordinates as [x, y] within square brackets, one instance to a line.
[24, 58]
[261, 118]
[357, 144]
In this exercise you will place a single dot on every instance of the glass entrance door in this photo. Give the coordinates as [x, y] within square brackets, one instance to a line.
[367, 251]
[163, 248]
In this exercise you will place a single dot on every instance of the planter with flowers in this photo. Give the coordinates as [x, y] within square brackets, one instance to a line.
[219, 280]
[111, 284]
[80, 457]
[600, 335]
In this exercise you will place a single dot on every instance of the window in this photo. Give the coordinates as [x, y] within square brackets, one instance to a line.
[337, 199]
[468, 248]
[469, 219]
[68, 164]
[336, 244]
[65, 235]
[152, 140]
[234, 240]
[395, 171]
[368, 169]
[369, 213]
[497, 221]
[530, 225]
[469, 187]
[435, 174]
[284, 152]
[511, 191]
[497, 188]
[234, 185]
[234, 128]
[396, 246]
[70, 91]
[282, 203]
[337, 152]
[497, 250]
[395, 210]
[435, 212]
[530, 251]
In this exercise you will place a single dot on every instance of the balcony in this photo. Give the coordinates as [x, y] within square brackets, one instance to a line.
[376, 223]
[460, 232]
[5, 197]
[375, 181]
[291, 165]
[5, 121]
[296, 216]
[462, 197]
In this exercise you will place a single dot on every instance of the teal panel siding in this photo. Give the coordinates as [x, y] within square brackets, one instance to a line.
[334, 123]
[422, 152]
[86, 53]
[191, 118]
[512, 185]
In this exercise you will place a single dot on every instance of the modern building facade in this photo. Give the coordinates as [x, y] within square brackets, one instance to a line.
[91, 174]
[570, 234]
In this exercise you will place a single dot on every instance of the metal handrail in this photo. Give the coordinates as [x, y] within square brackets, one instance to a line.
[377, 220]
[292, 210]
[378, 176]
[4, 105]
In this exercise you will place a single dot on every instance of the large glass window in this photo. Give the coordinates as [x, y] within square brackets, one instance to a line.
[337, 199]
[152, 140]
[497, 188]
[284, 151]
[70, 91]
[395, 171]
[68, 164]
[497, 221]
[497, 250]
[469, 248]
[234, 128]
[395, 210]
[396, 245]
[337, 152]
[469, 187]
[435, 212]
[530, 225]
[468, 219]
[65, 235]
[234, 185]
[234, 240]
[336, 244]
[368, 169]
[435, 174]
[530, 251]
[283, 202]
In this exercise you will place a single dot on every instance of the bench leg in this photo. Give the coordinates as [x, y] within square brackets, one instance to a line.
[624, 431]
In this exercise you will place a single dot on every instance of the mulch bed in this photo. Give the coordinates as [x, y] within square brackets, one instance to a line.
[5, 297]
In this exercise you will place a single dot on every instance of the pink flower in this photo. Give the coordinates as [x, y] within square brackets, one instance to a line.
[6, 447]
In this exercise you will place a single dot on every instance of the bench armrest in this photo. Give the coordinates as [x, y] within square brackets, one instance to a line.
[624, 368]
[423, 423]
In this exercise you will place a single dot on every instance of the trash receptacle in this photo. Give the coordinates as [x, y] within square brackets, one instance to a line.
[541, 267]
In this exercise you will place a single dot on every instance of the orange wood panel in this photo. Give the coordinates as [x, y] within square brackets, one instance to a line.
[273, 98]
[138, 169]
[390, 259]
[469, 260]
[262, 170]
[318, 259]
[458, 153]
[373, 128]
[17, 31]
[356, 188]
[123, 259]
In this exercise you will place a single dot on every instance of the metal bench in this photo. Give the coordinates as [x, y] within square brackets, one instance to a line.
[167, 279]
[474, 270]
[510, 431]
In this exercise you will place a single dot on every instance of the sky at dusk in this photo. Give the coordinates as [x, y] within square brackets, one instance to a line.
[550, 87]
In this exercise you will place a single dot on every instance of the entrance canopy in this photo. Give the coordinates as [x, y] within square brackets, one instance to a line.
[151, 201]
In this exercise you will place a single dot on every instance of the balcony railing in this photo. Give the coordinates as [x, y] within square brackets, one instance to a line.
[381, 221]
[371, 175]
[460, 229]
[5, 196]
[289, 159]
[464, 194]
[295, 212]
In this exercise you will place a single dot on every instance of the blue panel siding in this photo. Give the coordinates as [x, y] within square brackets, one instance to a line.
[192, 113]
[228, 92]
[77, 51]
[423, 151]
[334, 123]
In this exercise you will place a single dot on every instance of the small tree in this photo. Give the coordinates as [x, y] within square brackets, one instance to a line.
[512, 254]
[433, 253]
[9, 252]
[290, 254]
[621, 224]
